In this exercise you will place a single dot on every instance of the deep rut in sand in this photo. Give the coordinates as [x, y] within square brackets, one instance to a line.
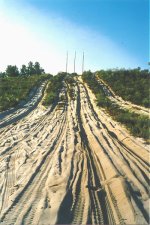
[71, 164]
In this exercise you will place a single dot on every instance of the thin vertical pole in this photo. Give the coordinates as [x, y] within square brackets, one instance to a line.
[83, 63]
[67, 63]
[75, 62]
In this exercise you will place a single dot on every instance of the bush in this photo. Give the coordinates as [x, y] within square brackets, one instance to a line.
[137, 124]
[54, 87]
[15, 89]
[131, 85]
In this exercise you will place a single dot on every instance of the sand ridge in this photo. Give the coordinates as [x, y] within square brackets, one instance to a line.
[119, 101]
[72, 164]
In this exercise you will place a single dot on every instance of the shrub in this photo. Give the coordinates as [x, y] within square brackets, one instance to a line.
[137, 124]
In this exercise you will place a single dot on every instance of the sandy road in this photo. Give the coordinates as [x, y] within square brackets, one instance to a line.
[70, 164]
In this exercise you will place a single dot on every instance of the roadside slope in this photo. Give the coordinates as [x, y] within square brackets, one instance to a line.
[15, 114]
[119, 101]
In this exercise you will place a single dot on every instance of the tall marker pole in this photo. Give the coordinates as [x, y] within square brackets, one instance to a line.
[67, 63]
[83, 63]
[75, 62]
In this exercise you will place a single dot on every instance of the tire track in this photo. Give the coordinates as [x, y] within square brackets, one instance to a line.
[72, 165]
[36, 182]
[108, 149]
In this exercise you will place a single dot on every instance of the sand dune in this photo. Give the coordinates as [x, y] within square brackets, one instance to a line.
[72, 164]
[119, 101]
[23, 109]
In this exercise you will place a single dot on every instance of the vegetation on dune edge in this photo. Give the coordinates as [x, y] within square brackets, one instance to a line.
[15, 89]
[15, 84]
[53, 89]
[56, 84]
[137, 124]
[131, 85]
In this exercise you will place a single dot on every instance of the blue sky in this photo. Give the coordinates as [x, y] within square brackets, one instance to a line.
[112, 33]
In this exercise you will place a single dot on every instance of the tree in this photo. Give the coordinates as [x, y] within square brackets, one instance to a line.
[12, 71]
[24, 70]
[37, 68]
[42, 71]
[2, 74]
[31, 69]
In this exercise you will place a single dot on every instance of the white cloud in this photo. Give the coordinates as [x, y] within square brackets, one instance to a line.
[27, 35]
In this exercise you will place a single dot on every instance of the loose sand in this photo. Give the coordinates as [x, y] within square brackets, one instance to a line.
[72, 164]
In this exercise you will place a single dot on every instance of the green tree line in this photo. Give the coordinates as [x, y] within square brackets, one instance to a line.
[25, 70]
